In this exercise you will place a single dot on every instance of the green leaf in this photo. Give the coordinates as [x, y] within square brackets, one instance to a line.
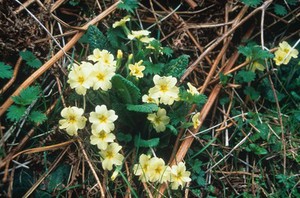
[264, 130]
[152, 68]
[252, 3]
[128, 5]
[5, 71]
[198, 99]
[27, 96]
[125, 89]
[224, 78]
[254, 52]
[167, 51]
[252, 93]
[115, 36]
[122, 137]
[37, 117]
[139, 142]
[74, 2]
[292, 2]
[144, 108]
[176, 67]
[15, 113]
[96, 38]
[244, 76]
[31, 59]
[280, 10]
[256, 149]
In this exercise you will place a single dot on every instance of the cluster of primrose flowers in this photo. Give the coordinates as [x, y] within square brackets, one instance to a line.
[96, 74]
[153, 169]
[284, 54]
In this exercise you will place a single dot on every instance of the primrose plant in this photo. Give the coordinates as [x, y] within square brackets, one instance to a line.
[136, 91]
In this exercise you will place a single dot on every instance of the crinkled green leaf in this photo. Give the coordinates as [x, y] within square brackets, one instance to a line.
[139, 142]
[198, 99]
[15, 113]
[125, 89]
[5, 70]
[96, 38]
[176, 67]
[144, 108]
[37, 117]
[152, 68]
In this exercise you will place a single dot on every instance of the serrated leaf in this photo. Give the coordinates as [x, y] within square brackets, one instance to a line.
[252, 3]
[125, 89]
[198, 99]
[280, 10]
[144, 108]
[31, 59]
[270, 96]
[152, 68]
[5, 71]
[244, 76]
[128, 5]
[14, 112]
[122, 137]
[139, 142]
[96, 38]
[27, 96]
[115, 36]
[167, 51]
[292, 2]
[37, 117]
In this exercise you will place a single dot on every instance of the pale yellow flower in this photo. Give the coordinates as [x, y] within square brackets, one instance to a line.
[179, 176]
[148, 99]
[101, 76]
[79, 78]
[159, 120]
[284, 46]
[284, 54]
[103, 119]
[96, 56]
[73, 120]
[101, 139]
[111, 156]
[146, 39]
[165, 89]
[122, 22]
[196, 121]
[137, 69]
[193, 90]
[281, 58]
[107, 59]
[119, 54]
[138, 34]
[142, 168]
[157, 170]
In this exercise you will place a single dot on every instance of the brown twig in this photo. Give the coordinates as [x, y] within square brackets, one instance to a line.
[13, 78]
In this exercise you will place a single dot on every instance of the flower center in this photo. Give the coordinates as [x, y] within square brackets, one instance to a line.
[109, 154]
[102, 118]
[100, 77]
[157, 120]
[72, 119]
[163, 88]
[80, 79]
[102, 135]
[158, 170]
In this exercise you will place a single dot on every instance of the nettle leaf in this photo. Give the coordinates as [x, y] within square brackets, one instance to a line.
[31, 59]
[5, 71]
[128, 5]
[292, 2]
[37, 117]
[254, 52]
[167, 51]
[144, 108]
[139, 142]
[252, 3]
[176, 67]
[96, 38]
[115, 36]
[224, 78]
[252, 93]
[280, 10]
[270, 96]
[125, 89]
[15, 113]
[244, 76]
[152, 68]
[27, 96]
